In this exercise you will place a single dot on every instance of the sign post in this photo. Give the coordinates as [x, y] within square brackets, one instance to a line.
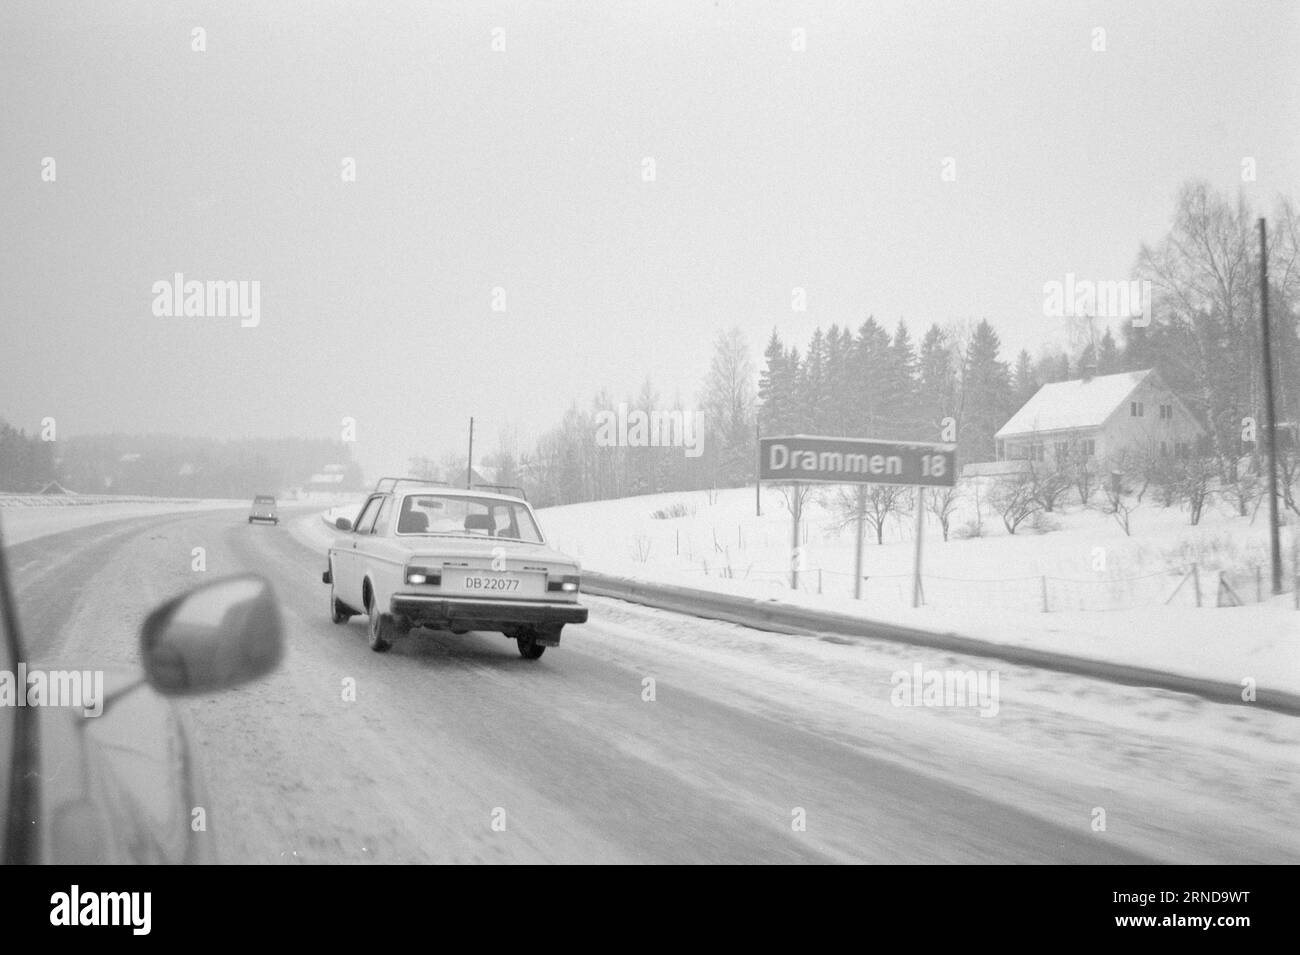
[918, 596]
[795, 559]
[794, 459]
[857, 553]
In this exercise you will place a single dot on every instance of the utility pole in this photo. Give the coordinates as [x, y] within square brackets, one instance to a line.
[758, 469]
[1270, 411]
[469, 468]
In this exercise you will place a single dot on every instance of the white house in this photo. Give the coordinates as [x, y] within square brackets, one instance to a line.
[1103, 417]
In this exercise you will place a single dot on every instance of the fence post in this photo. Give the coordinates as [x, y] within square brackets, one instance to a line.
[1259, 584]
[1196, 583]
[819, 581]
[1226, 588]
[1043, 580]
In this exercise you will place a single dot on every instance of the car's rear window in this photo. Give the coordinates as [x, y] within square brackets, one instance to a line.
[263, 500]
[463, 516]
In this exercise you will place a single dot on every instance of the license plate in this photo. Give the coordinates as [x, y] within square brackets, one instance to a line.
[492, 583]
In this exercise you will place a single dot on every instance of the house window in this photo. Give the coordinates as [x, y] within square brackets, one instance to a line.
[1166, 412]
[1089, 447]
[1135, 409]
[1182, 450]
[1062, 450]
[1164, 450]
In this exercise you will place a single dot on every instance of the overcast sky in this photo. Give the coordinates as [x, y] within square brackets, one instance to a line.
[523, 170]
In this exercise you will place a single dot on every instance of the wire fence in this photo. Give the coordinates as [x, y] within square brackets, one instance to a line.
[1209, 579]
[1194, 586]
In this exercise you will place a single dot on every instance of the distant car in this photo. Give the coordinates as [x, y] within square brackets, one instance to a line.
[426, 555]
[263, 510]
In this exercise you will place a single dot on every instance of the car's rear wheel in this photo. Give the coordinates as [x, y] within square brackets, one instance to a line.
[381, 631]
[529, 648]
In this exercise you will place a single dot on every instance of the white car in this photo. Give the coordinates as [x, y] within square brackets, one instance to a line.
[420, 554]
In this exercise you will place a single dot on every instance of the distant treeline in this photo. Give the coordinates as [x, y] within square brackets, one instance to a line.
[26, 462]
[170, 465]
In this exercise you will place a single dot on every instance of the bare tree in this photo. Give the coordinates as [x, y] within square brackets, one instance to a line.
[942, 502]
[1050, 485]
[1118, 503]
[1083, 473]
[1014, 497]
[879, 501]
[454, 467]
[1195, 484]
[729, 406]
[1203, 277]
[1288, 474]
[1244, 491]
[424, 468]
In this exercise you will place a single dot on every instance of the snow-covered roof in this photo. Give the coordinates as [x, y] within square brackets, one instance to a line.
[1062, 405]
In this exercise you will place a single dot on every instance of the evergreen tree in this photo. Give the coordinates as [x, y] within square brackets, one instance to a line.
[937, 383]
[774, 391]
[1023, 381]
[1136, 355]
[1087, 363]
[814, 408]
[987, 398]
[839, 349]
[795, 422]
[1108, 357]
[902, 418]
[869, 366]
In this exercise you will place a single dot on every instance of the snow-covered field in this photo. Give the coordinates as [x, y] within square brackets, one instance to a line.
[1106, 591]
[24, 523]
[25, 517]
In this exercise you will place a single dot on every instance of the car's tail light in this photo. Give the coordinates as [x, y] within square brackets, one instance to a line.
[423, 575]
[568, 585]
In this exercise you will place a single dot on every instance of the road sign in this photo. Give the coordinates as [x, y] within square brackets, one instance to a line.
[855, 461]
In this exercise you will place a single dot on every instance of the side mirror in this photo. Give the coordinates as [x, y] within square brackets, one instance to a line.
[213, 637]
[342, 523]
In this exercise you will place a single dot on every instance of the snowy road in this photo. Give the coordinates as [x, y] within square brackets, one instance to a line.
[748, 733]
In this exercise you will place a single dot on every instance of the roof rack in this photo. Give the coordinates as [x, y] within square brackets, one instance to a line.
[509, 490]
[392, 483]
